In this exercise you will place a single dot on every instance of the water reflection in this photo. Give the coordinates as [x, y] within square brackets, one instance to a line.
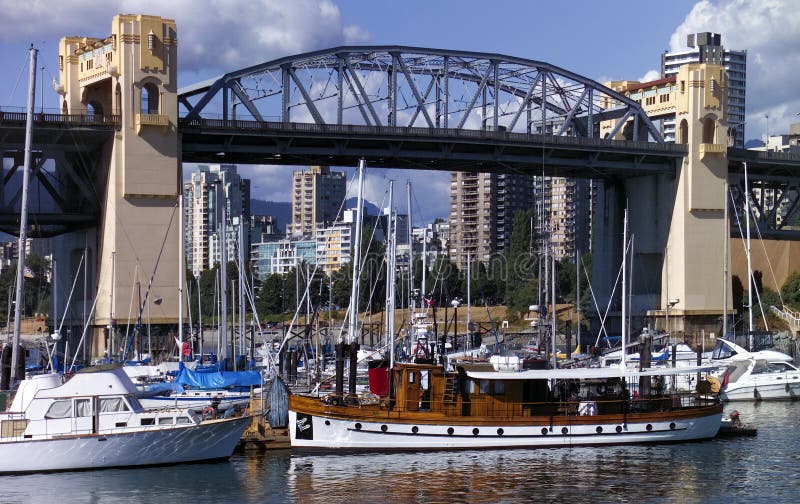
[764, 468]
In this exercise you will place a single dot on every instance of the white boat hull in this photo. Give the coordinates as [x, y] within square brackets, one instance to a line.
[762, 392]
[215, 439]
[319, 432]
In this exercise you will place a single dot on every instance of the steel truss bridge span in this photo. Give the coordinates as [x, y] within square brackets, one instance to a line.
[397, 86]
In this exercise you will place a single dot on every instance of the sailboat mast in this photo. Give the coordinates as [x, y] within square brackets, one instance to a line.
[411, 303]
[749, 265]
[390, 277]
[180, 274]
[354, 294]
[624, 287]
[23, 220]
[725, 237]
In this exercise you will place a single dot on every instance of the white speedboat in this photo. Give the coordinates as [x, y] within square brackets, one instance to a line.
[95, 421]
[756, 376]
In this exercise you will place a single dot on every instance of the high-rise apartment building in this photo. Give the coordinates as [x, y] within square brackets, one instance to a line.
[212, 188]
[482, 207]
[317, 196]
[565, 207]
[707, 47]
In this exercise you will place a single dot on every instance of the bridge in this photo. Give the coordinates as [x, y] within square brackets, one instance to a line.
[107, 168]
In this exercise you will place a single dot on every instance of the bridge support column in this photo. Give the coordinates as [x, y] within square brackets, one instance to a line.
[677, 223]
[131, 73]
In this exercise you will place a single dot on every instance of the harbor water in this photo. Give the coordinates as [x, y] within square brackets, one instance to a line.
[765, 468]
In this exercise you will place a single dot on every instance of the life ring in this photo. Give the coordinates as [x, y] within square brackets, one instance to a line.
[420, 352]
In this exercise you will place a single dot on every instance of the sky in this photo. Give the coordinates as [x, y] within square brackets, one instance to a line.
[608, 40]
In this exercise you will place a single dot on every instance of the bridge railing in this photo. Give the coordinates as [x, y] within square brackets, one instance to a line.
[61, 119]
[355, 129]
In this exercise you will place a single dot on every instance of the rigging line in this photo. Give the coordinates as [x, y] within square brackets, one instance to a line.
[769, 263]
[752, 280]
[130, 307]
[69, 299]
[610, 297]
[596, 306]
[150, 285]
[19, 77]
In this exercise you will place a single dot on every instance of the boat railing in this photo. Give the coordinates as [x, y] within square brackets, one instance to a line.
[590, 406]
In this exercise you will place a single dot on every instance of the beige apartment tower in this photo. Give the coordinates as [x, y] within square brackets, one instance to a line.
[317, 196]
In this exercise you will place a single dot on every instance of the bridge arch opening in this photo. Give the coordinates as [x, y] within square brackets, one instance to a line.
[118, 99]
[709, 128]
[149, 101]
[94, 109]
[683, 132]
[64, 107]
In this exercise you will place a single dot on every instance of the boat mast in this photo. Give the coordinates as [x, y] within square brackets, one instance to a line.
[390, 233]
[180, 275]
[23, 220]
[725, 238]
[223, 271]
[624, 286]
[749, 265]
[354, 294]
[411, 303]
[469, 271]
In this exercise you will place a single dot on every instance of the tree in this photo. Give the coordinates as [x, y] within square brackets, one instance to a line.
[790, 291]
[520, 277]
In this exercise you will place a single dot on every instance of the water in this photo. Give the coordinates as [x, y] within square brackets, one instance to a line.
[757, 469]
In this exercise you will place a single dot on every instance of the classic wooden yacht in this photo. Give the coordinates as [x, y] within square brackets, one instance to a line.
[479, 407]
[95, 421]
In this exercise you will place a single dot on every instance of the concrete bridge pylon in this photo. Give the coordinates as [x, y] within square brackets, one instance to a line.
[677, 222]
[132, 74]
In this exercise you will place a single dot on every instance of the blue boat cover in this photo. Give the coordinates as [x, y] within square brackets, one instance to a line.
[217, 380]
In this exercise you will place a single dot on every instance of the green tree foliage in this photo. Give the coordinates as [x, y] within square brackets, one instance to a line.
[520, 290]
[790, 291]
[36, 287]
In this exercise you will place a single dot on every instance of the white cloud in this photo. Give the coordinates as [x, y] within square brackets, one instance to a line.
[769, 30]
[650, 75]
[213, 35]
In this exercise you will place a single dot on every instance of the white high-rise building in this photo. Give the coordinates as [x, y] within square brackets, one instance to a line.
[707, 47]
[212, 187]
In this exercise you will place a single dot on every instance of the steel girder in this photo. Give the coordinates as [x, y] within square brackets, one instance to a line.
[417, 87]
[65, 171]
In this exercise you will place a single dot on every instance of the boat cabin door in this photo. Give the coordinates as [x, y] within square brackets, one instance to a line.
[413, 388]
[82, 416]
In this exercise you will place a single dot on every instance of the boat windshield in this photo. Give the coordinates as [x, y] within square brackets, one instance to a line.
[722, 351]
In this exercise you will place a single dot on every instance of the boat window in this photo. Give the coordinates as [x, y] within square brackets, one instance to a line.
[760, 367]
[148, 421]
[83, 407]
[182, 420]
[60, 409]
[722, 351]
[165, 421]
[412, 377]
[113, 404]
[484, 386]
[499, 387]
[135, 404]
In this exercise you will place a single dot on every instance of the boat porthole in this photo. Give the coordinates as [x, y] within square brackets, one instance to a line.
[672, 425]
[544, 431]
[564, 430]
[649, 427]
[358, 426]
[384, 428]
[619, 429]
[599, 429]
[450, 431]
[475, 431]
[327, 422]
[500, 431]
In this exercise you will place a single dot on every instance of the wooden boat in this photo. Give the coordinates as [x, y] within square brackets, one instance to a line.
[95, 421]
[476, 407]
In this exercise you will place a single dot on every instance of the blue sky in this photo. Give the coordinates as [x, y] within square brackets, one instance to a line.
[612, 39]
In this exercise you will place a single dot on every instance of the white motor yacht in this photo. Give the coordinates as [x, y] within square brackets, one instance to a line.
[95, 421]
[761, 375]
